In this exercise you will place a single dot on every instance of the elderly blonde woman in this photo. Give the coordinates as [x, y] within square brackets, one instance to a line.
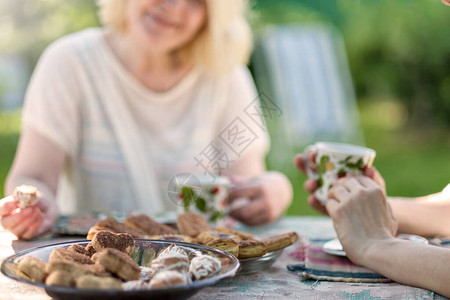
[112, 114]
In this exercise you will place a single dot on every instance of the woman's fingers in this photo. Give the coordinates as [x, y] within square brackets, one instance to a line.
[339, 193]
[253, 214]
[25, 222]
[373, 173]
[15, 219]
[7, 206]
[331, 206]
[310, 185]
[35, 224]
[248, 190]
[19, 222]
[314, 203]
[299, 162]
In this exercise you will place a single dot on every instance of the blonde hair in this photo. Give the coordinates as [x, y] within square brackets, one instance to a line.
[223, 43]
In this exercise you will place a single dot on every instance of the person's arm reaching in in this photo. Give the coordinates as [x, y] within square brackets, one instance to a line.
[38, 162]
[421, 215]
[365, 225]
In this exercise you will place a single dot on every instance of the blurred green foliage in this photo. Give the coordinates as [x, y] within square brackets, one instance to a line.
[396, 48]
[27, 27]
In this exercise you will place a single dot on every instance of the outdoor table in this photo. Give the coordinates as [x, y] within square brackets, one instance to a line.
[274, 283]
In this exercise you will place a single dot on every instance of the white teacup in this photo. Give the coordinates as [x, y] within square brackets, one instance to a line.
[335, 160]
[210, 196]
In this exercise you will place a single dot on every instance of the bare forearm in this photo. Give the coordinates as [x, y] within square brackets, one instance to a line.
[425, 217]
[13, 181]
[281, 190]
[413, 264]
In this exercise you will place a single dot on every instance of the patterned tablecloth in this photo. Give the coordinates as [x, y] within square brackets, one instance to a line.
[274, 283]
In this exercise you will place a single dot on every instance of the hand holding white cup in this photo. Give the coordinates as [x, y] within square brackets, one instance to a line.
[335, 160]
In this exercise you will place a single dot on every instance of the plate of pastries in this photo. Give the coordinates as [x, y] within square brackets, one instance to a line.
[254, 254]
[118, 266]
[141, 258]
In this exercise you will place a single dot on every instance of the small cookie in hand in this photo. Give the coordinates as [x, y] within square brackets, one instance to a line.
[280, 241]
[105, 239]
[192, 224]
[251, 248]
[25, 195]
[34, 268]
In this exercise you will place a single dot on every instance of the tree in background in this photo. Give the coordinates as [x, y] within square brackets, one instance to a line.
[397, 49]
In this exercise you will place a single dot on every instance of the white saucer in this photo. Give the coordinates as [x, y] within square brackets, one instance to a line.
[334, 247]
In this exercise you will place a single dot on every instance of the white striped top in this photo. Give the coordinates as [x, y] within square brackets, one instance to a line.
[180, 129]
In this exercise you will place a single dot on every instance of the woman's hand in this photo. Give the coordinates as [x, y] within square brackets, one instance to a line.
[260, 200]
[26, 223]
[310, 185]
[361, 215]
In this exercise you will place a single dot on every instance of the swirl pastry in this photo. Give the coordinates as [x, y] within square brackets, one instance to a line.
[251, 248]
[280, 241]
[211, 235]
[65, 254]
[226, 244]
[34, 268]
[118, 263]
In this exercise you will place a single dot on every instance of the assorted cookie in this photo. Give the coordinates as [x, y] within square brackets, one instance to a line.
[148, 225]
[112, 225]
[192, 224]
[280, 241]
[194, 228]
[33, 267]
[105, 262]
[118, 262]
[105, 239]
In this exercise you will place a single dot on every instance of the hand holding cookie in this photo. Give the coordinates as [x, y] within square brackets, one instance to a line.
[25, 214]
[261, 200]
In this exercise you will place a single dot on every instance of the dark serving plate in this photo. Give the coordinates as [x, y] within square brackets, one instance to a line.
[143, 253]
